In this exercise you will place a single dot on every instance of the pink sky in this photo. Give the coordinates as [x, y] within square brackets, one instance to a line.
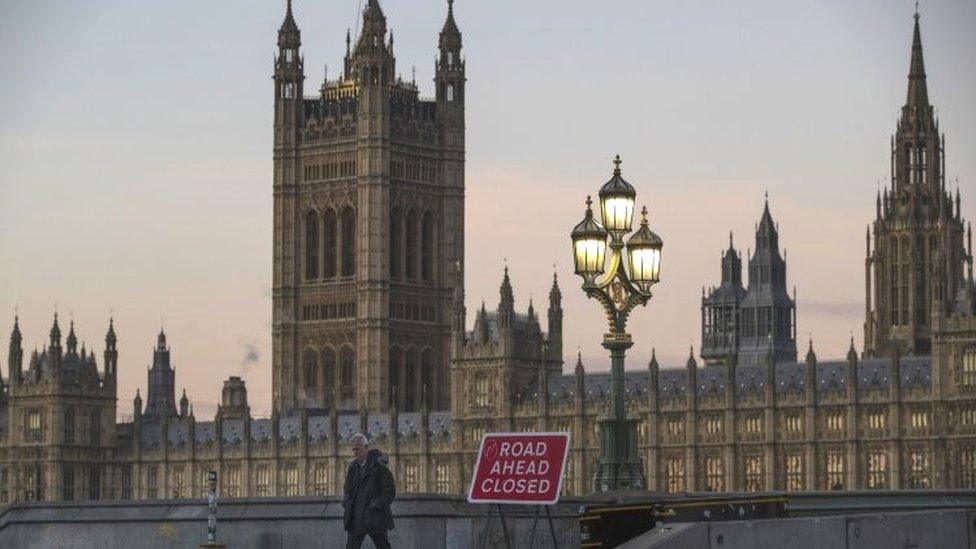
[135, 163]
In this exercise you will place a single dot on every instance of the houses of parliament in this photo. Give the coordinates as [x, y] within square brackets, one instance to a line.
[370, 333]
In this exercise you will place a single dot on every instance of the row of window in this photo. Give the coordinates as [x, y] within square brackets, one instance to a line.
[330, 243]
[329, 311]
[34, 424]
[410, 371]
[411, 245]
[422, 171]
[320, 379]
[329, 170]
[413, 311]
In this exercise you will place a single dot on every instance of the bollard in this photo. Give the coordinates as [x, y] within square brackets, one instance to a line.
[211, 542]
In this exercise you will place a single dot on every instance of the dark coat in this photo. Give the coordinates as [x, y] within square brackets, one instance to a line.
[367, 495]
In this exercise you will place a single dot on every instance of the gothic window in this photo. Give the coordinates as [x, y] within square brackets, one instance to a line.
[918, 469]
[794, 472]
[969, 367]
[34, 483]
[714, 474]
[967, 416]
[263, 481]
[450, 92]
[126, 473]
[483, 393]
[68, 483]
[877, 470]
[348, 242]
[411, 256]
[411, 476]
[835, 421]
[396, 387]
[94, 427]
[321, 480]
[311, 245]
[835, 463]
[347, 388]
[876, 420]
[442, 479]
[794, 422]
[4, 485]
[33, 426]
[753, 424]
[713, 425]
[674, 474]
[753, 473]
[920, 419]
[329, 374]
[330, 244]
[152, 482]
[310, 361]
[450, 58]
[967, 467]
[411, 381]
[290, 475]
[68, 427]
[427, 247]
[675, 426]
[395, 243]
[179, 483]
[232, 482]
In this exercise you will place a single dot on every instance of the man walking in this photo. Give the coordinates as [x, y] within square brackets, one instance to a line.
[369, 491]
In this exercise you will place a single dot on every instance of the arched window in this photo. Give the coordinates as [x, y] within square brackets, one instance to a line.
[411, 255]
[347, 378]
[348, 242]
[427, 247]
[311, 245]
[394, 371]
[450, 92]
[395, 243]
[969, 367]
[411, 383]
[329, 375]
[310, 361]
[330, 244]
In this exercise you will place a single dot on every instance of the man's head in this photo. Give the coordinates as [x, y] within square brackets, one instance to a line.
[360, 445]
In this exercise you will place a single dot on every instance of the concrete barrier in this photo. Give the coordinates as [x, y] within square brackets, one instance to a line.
[422, 521]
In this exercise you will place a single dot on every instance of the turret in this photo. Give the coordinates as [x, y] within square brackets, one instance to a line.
[72, 340]
[184, 405]
[137, 406]
[289, 76]
[811, 373]
[450, 67]
[161, 401]
[15, 354]
[373, 67]
[580, 379]
[506, 302]
[55, 346]
[654, 370]
[555, 320]
[111, 352]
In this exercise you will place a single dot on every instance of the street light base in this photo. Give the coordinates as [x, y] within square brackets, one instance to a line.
[619, 467]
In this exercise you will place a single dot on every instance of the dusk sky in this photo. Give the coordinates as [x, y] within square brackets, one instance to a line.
[135, 157]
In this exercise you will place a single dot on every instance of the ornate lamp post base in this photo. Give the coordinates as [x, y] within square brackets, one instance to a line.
[620, 467]
[625, 469]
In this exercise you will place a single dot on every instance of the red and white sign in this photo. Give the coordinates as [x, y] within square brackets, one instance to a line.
[524, 468]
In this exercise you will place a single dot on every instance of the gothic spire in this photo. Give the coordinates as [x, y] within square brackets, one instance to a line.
[918, 95]
[851, 352]
[653, 365]
[507, 295]
[450, 34]
[110, 338]
[15, 336]
[554, 294]
[288, 35]
[811, 356]
[579, 363]
[55, 332]
[72, 340]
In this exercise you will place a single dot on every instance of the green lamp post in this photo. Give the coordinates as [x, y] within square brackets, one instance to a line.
[619, 289]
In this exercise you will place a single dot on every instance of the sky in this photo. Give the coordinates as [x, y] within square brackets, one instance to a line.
[135, 157]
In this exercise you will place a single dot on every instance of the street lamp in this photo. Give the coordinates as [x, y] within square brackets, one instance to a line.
[619, 291]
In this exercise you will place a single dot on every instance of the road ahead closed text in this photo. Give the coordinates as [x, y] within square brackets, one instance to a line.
[519, 468]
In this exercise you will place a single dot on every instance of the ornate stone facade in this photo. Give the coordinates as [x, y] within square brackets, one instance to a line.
[763, 422]
[368, 224]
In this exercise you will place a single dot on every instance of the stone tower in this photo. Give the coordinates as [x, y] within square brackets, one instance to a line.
[161, 398]
[914, 265]
[767, 315]
[368, 225]
[720, 312]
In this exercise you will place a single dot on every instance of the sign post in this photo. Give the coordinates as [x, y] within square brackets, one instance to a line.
[519, 469]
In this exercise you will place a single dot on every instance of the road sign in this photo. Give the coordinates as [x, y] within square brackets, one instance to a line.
[520, 468]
